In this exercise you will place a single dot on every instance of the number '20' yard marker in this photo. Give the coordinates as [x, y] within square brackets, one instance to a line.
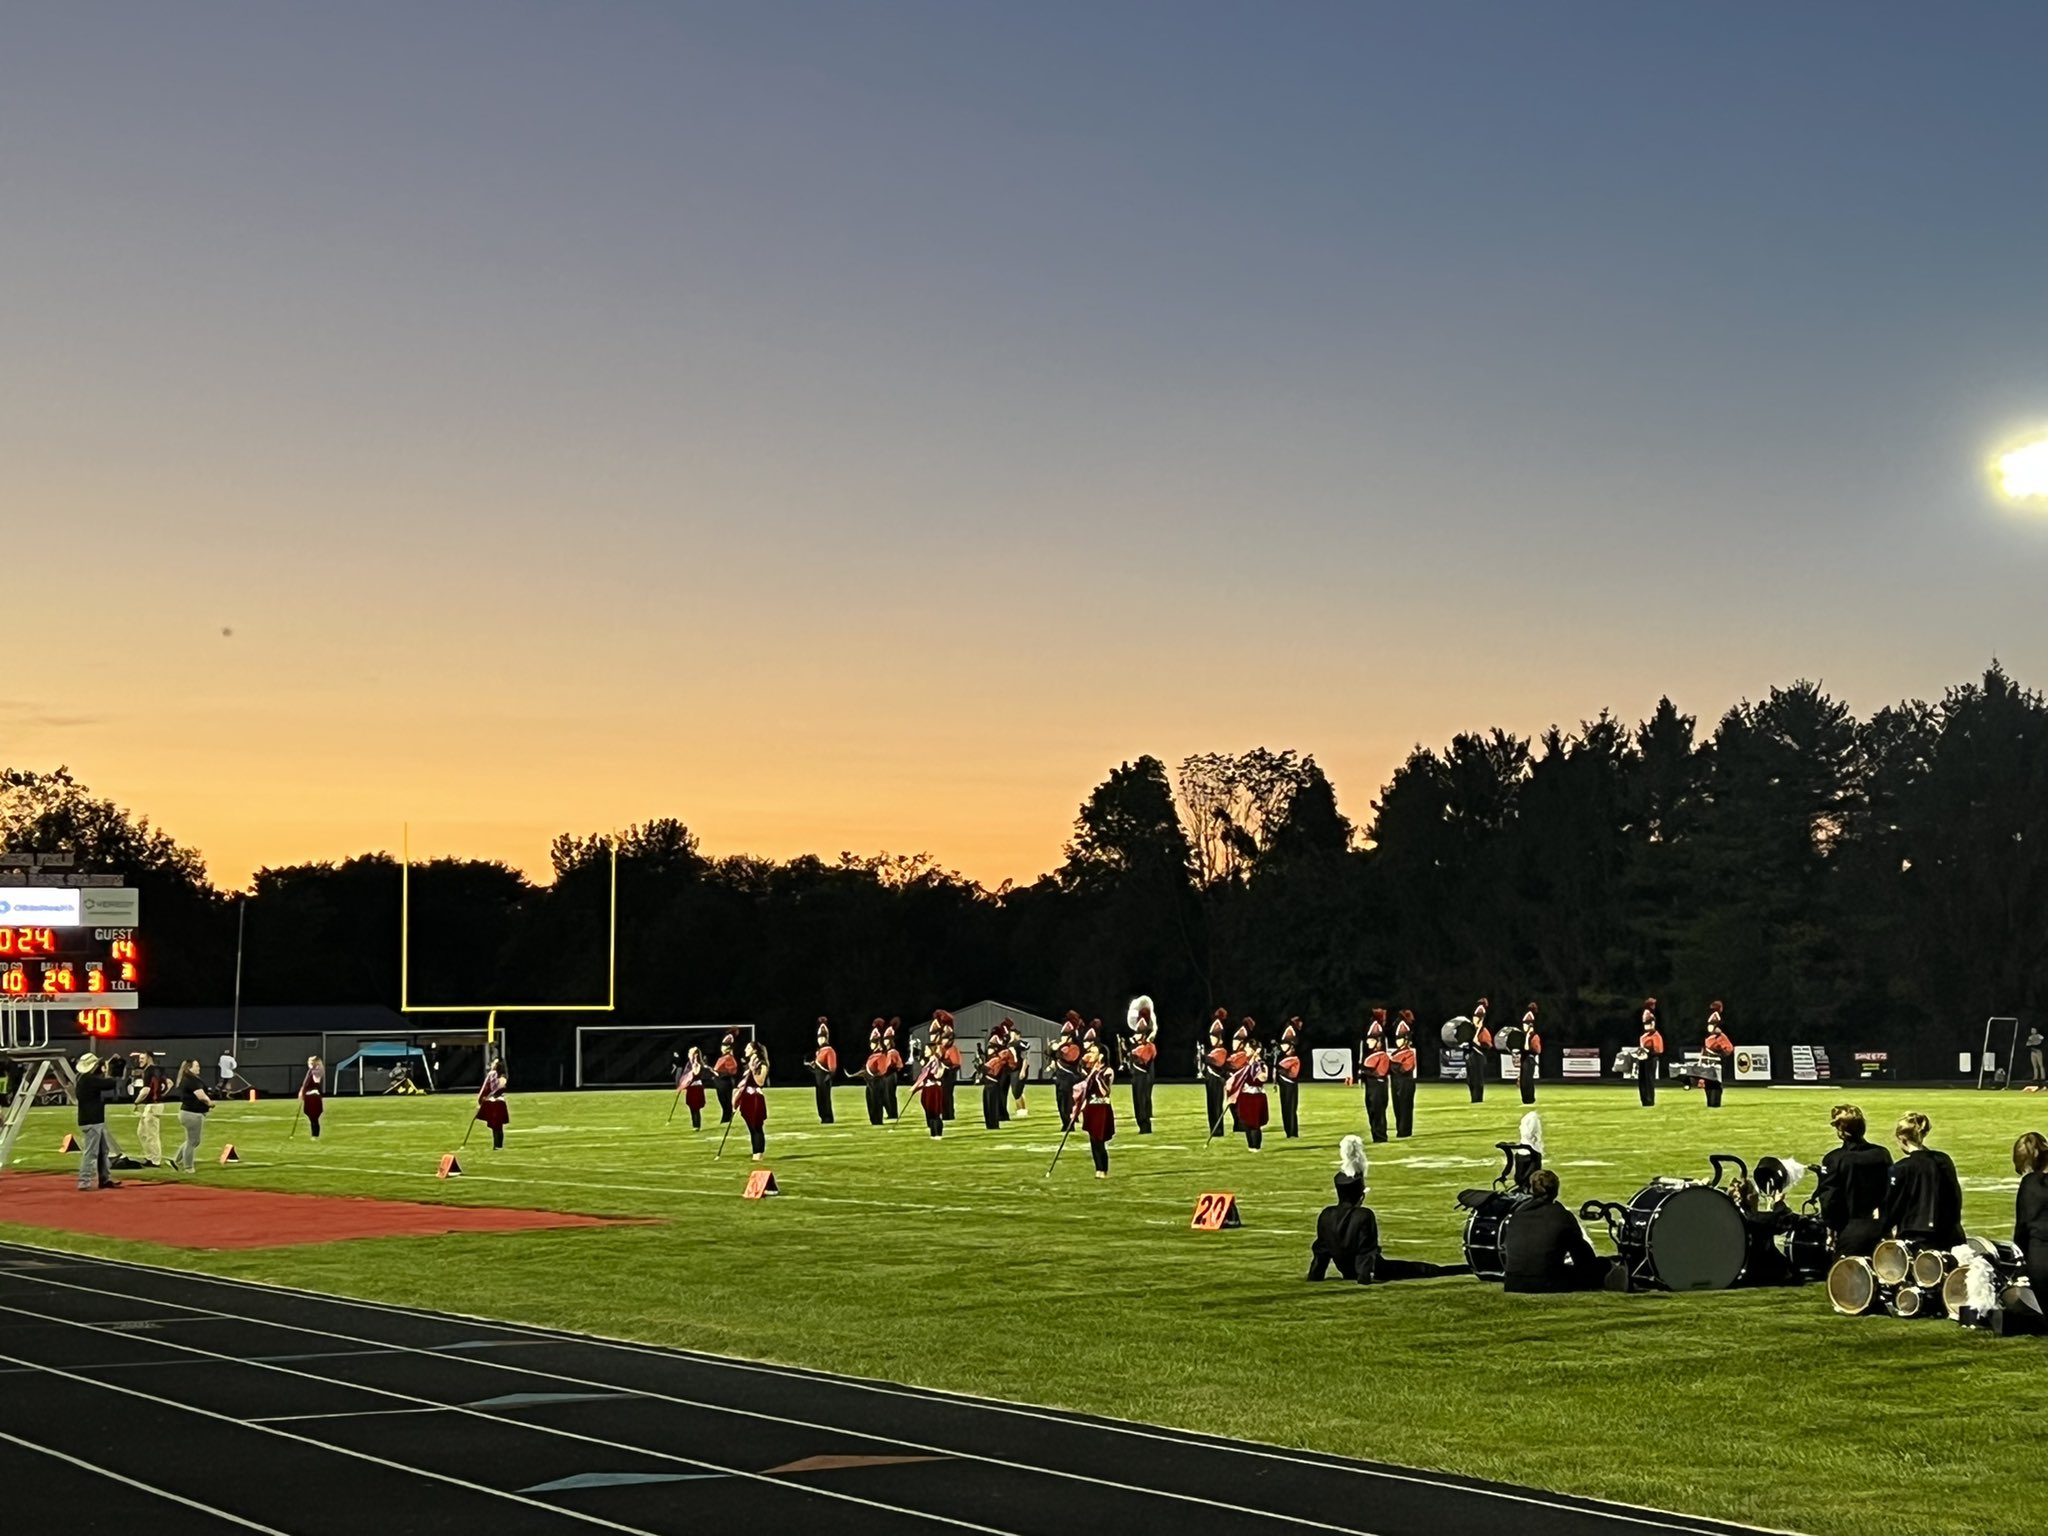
[1214, 1212]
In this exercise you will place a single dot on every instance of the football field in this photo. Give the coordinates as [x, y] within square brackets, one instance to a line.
[958, 1264]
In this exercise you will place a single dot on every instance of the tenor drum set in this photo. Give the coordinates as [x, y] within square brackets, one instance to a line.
[1904, 1279]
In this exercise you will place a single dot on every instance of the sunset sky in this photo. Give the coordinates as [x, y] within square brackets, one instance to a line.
[860, 426]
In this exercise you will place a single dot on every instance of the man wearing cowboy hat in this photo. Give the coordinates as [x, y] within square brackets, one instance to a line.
[94, 1089]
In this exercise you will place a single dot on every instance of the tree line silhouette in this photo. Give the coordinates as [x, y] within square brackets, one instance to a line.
[1857, 884]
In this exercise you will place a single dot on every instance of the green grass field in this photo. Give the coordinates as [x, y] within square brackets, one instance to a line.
[958, 1264]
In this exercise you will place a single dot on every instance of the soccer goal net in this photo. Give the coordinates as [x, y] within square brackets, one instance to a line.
[645, 1055]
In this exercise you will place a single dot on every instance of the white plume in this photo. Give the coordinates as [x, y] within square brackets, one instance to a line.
[1532, 1130]
[1795, 1170]
[1981, 1286]
[1351, 1157]
[1139, 1005]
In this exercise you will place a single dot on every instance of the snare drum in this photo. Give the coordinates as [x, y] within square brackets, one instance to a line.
[1807, 1247]
[1913, 1301]
[1682, 1237]
[1852, 1286]
[1486, 1235]
[1892, 1260]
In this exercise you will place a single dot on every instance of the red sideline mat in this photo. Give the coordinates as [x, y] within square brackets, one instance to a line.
[195, 1216]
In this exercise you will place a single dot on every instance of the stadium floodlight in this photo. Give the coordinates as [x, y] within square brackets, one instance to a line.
[492, 1010]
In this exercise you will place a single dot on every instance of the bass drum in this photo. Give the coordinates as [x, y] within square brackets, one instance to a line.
[1683, 1237]
[1486, 1235]
[1807, 1248]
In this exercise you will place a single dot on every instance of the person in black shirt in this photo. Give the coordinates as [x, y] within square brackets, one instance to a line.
[2030, 1209]
[1544, 1248]
[94, 1089]
[193, 1106]
[1925, 1202]
[1348, 1233]
[1854, 1180]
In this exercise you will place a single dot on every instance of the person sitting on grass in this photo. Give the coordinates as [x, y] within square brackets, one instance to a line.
[1545, 1248]
[1348, 1233]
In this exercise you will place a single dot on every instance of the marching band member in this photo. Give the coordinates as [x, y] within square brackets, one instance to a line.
[1531, 1052]
[1212, 1064]
[1651, 1043]
[875, 1075]
[1139, 1059]
[1477, 1052]
[949, 1060]
[490, 1103]
[1402, 1078]
[1717, 1054]
[1925, 1202]
[2030, 1208]
[1091, 1104]
[1545, 1248]
[1348, 1233]
[1373, 1066]
[1289, 1077]
[310, 1098]
[893, 1067]
[1855, 1177]
[1066, 1067]
[1245, 1093]
[824, 1065]
[753, 1100]
[691, 1086]
[999, 1061]
[725, 1073]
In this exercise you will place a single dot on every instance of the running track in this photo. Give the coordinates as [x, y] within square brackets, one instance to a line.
[135, 1398]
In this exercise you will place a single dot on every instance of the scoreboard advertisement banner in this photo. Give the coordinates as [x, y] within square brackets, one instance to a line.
[1810, 1064]
[1581, 1061]
[1330, 1064]
[1752, 1063]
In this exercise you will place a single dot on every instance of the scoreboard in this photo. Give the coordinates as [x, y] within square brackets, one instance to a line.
[62, 948]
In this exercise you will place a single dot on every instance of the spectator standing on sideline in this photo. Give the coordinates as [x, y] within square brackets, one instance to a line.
[2034, 1053]
[193, 1106]
[94, 1089]
[149, 1108]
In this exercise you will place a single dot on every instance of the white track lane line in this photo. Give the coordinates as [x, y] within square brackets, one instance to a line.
[489, 1418]
[133, 1482]
[1637, 1514]
[711, 1407]
[380, 1462]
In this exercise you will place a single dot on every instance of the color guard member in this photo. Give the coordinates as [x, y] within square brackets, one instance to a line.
[310, 1099]
[949, 1059]
[1091, 1103]
[1245, 1093]
[691, 1086]
[490, 1103]
[753, 1098]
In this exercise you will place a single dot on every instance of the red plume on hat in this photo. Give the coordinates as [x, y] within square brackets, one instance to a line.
[1650, 1003]
[1379, 1015]
[1222, 1015]
[942, 1018]
[1717, 1006]
[1407, 1015]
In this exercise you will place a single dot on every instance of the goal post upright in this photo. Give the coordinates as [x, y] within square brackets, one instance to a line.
[490, 1011]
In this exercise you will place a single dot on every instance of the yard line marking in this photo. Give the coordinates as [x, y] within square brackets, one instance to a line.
[352, 1413]
[134, 1482]
[489, 1418]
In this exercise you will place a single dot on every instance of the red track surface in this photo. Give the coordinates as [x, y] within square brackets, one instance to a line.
[207, 1216]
